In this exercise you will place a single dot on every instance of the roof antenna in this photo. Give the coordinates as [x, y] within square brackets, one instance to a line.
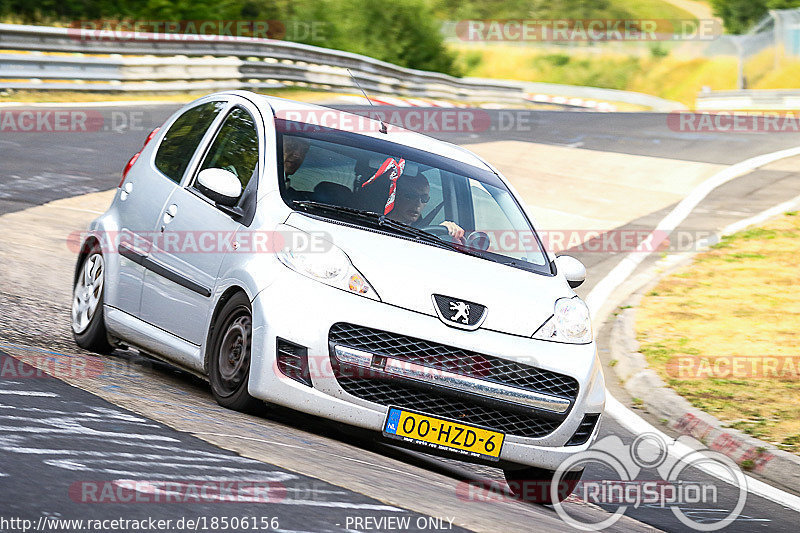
[383, 126]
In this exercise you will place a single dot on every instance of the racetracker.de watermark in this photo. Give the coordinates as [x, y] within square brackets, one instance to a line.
[502, 241]
[598, 241]
[419, 119]
[588, 30]
[201, 241]
[43, 366]
[776, 367]
[46, 120]
[319, 366]
[125, 491]
[734, 121]
[188, 31]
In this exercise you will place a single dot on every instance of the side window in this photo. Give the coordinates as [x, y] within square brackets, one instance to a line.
[236, 147]
[323, 165]
[182, 139]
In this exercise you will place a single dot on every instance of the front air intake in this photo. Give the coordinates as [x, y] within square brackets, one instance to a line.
[293, 361]
[584, 431]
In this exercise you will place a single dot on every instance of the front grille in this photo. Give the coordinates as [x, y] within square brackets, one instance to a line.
[460, 361]
[584, 430]
[397, 394]
[392, 391]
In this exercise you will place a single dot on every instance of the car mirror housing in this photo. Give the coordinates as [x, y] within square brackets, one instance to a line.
[220, 185]
[572, 269]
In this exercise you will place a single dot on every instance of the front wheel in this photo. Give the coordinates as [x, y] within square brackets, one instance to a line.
[533, 484]
[88, 324]
[229, 362]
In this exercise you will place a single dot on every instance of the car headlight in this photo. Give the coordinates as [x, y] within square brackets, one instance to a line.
[570, 323]
[327, 264]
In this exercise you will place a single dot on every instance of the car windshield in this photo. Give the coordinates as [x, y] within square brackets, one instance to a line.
[348, 177]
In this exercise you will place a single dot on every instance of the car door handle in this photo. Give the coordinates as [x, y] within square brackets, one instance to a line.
[169, 214]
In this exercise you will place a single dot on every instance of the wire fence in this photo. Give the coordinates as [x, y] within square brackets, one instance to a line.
[766, 47]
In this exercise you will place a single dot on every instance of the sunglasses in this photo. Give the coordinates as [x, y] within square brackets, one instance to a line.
[416, 197]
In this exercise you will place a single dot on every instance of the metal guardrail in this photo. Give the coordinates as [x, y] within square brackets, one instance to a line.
[170, 63]
[761, 99]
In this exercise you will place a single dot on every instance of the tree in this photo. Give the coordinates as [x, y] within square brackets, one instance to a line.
[404, 32]
[741, 15]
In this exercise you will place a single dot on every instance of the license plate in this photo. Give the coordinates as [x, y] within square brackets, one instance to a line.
[443, 434]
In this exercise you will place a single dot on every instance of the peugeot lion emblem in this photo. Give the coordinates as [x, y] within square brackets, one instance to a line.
[462, 312]
[459, 313]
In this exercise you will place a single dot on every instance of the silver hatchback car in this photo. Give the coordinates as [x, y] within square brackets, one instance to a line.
[381, 279]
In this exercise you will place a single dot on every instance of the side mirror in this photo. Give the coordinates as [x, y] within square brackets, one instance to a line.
[220, 185]
[572, 269]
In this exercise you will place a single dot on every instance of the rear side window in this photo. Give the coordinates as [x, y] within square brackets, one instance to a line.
[182, 139]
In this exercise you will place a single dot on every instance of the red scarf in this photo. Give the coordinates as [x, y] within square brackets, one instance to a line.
[397, 170]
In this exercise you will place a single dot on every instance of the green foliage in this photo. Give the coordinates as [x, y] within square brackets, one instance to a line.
[405, 32]
[557, 60]
[658, 50]
[740, 15]
[469, 60]
[531, 9]
[615, 73]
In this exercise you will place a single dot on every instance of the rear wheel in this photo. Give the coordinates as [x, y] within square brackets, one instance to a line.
[533, 484]
[88, 324]
[229, 362]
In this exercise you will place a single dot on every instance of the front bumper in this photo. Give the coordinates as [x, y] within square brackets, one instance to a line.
[302, 311]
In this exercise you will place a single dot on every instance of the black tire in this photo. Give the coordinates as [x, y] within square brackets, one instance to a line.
[229, 356]
[533, 484]
[94, 336]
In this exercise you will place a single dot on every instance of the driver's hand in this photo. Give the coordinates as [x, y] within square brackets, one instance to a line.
[456, 231]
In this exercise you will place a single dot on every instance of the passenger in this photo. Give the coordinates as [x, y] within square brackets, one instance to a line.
[413, 192]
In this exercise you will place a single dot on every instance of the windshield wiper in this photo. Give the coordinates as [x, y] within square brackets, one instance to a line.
[382, 222]
[375, 219]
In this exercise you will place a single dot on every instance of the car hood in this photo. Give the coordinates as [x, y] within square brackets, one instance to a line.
[406, 274]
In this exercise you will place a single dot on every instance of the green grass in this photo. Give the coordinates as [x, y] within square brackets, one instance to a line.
[652, 9]
[525, 9]
[670, 77]
[743, 305]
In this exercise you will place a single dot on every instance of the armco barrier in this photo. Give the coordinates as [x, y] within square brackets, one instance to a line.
[153, 63]
[754, 99]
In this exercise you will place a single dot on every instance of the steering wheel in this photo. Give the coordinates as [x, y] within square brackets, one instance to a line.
[479, 240]
[438, 231]
[441, 232]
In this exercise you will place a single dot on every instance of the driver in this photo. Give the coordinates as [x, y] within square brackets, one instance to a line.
[294, 153]
[413, 192]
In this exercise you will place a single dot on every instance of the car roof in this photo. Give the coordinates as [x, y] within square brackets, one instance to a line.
[396, 134]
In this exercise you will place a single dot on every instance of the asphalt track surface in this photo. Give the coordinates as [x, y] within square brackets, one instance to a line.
[100, 454]
[41, 167]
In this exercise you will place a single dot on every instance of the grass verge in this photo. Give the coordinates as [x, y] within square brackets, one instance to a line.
[724, 331]
[661, 69]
